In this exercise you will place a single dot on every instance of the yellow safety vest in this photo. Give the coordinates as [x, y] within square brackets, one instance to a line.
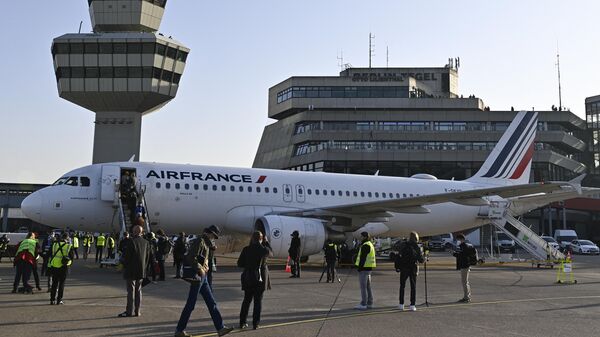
[28, 245]
[101, 241]
[58, 254]
[111, 242]
[75, 242]
[370, 261]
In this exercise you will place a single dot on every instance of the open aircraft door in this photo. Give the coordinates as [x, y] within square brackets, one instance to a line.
[111, 176]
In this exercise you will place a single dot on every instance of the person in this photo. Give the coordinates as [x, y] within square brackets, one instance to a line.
[100, 243]
[209, 235]
[125, 183]
[60, 261]
[463, 264]
[123, 243]
[110, 247]
[331, 256]
[135, 259]
[163, 248]
[255, 277]
[4, 241]
[24, 260]
[365, 262]
[88, 240]
[407, 264]
[151, 237]
[196, 262]
[295, 251]
[140, 210]
[75, 239]
[179, 250]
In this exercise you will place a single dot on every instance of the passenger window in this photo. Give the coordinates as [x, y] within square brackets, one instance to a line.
[232, 188]
[266, 190]
[299, 191]
[332, 193]
[354, 193]
[205, 187]
[168, 185]
[157, 185]
[376, 194]
[287, 190]
[177, 186]
[403, 195]
[362, 194]
[324, 192]
[340, 193]
[223, 188]
[369, 194]
[196, 187]
[309, 191]
[257, 189]
[84, 181]
[411, 195]
[317, 192]
[275, 190]
[214, 187]
[187, 186]
[383, 195]
[397, 195]
[347, 193]
[249, 188]
[241, 188]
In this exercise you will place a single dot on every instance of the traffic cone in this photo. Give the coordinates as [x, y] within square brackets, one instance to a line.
[288, 268]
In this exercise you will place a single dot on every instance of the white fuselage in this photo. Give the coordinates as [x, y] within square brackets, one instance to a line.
[189, 198]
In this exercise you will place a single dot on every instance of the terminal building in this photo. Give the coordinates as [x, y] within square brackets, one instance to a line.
[405, 121]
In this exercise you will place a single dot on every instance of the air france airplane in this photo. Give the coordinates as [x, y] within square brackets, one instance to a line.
[318, 205]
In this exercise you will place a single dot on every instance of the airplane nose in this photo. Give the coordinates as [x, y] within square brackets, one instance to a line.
[32, 206]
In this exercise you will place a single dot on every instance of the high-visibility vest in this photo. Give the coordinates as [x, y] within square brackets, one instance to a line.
[58, 254]
[111, 242]
[101, 241]
[75, 242]
[370, 261]
[27, 245]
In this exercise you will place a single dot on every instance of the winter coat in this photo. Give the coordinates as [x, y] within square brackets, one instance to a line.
[253, 259]
[136, 257]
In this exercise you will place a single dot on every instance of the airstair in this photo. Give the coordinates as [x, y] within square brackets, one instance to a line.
[523, 235]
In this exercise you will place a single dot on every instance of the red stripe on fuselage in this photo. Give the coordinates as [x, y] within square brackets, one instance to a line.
[523, 164]
[261, 179]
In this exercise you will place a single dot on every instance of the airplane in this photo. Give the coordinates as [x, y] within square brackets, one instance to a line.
[319, 205]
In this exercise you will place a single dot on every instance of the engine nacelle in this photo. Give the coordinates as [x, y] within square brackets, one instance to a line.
[279, 232]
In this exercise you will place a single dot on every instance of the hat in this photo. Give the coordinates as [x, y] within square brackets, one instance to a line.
[364, 234]
[295, 233]
[214, 230]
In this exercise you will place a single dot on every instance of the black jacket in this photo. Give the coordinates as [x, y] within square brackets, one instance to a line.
[136, 257]
[462, 255]
[253, 259]
[179, 248]
[294, 249]
[410, 263]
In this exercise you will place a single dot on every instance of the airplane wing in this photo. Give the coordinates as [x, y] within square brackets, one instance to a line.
[381, 208]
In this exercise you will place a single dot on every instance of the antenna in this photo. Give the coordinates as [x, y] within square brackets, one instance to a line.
[387, 56]
[80, 23]
[341, 60]
[558, 68]
[371, 50]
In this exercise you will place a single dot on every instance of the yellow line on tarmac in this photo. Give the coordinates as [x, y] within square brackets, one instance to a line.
[389, 311]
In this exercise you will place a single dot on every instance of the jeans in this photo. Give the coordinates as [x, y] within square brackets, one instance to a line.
[59, 276]
[464, 277]
[296, 266]
[249, 295]
[366, 294]
[178, 265]
[412, 275]
[134, 296]
[75, 250]
[204, 290]
[23, 272]
[99, 250]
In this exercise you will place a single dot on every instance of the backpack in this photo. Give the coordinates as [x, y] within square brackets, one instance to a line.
[406, 258]
[472, 256]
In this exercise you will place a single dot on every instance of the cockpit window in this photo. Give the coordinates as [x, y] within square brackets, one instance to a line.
[84, 181]
[72, 181]
[60, 181]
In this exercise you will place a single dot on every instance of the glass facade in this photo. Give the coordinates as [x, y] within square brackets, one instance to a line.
[160, 3]
[119, 48]
[344, 92]
[117, 72]
[593, 124]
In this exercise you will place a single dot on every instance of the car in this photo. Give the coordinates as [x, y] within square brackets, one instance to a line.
[505, 243]
[551, 242]
[564, 237]
[584, 247]
[436, 243]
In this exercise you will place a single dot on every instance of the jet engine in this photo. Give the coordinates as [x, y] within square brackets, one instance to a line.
[279, 231]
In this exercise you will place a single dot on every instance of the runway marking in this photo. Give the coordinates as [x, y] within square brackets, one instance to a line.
[389, 311]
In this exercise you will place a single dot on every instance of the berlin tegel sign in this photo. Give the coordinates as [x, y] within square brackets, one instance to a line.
[392, 77]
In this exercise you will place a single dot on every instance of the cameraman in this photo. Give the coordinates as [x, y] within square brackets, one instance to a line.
[407, 264]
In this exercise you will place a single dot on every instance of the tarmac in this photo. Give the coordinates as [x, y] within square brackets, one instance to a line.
[508, 300]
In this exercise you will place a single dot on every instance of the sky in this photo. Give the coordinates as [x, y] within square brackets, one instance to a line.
[241, 48]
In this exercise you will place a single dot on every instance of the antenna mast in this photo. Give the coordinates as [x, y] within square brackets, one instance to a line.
[341, 60]
[371, 50]
[387, 56]
[559, 89]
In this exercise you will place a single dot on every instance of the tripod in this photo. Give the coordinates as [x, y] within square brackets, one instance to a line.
[325, 269]
[425, 272]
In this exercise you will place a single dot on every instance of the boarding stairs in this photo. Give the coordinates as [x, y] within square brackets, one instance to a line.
[521, 234]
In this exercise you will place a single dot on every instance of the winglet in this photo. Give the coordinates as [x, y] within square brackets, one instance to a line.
[576, 183]
[377, 173]
[131, 159]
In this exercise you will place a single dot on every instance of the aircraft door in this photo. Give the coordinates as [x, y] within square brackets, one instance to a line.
[111, 176]
[287, 193]
[300, 193]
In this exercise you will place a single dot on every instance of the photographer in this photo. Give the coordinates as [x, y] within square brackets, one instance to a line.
[407, 264]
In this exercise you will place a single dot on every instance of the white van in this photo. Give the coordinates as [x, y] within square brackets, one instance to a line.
[564, 237]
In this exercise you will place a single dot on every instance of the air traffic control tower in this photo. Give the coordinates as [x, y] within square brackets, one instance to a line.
[121, 71]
